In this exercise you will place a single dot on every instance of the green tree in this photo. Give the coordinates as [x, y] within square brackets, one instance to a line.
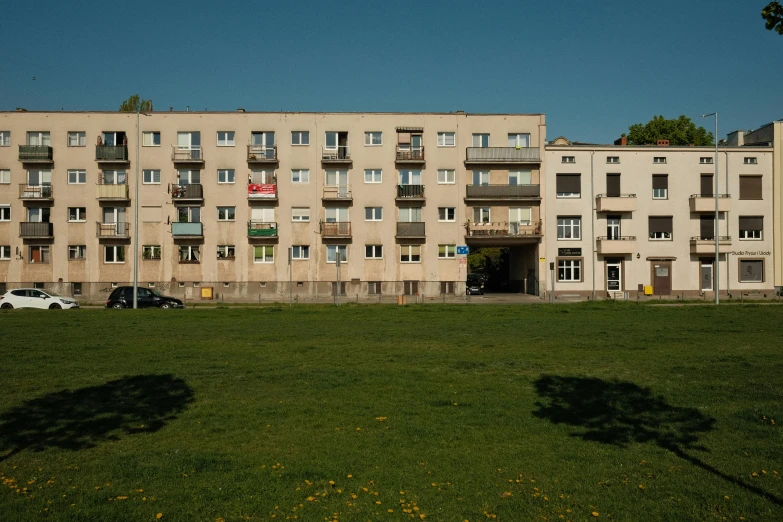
[681, 131]
[773, 15]
[135, 104]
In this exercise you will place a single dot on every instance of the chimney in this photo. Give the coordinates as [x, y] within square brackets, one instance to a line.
[187, 108]
[171, 109]
[240, 109]
[663, 143]
[622, 140]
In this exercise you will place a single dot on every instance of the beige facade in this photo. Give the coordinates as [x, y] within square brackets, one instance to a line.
[224, 196]
[623, 217]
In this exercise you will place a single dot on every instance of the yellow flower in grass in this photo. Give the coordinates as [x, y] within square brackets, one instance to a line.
[159, 516]
[595, 513]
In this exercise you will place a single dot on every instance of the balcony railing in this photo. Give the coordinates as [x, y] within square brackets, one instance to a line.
[706, 244]
[407, 155]
[35, 191]
[36, 154]
[111, 153]
[187, 192]
[410, 191]
[261, 154]
[340, 154]
[342, 192]
[191, 154]
[261, 229]
[118, 192]
[336, 229]
[503, 229]
[721, 239]
[615, 203]
[503, 191]
[187, 229]
[616, 244]
[706, 202]
[503, 155]
[261, 191]
[411, 229]
[119, 230]
[36, 230]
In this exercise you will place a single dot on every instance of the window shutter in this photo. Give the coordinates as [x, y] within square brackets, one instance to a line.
[613, 185]
[706, 185]
[569, 183]
[751, 223]
[660, 224]
[750, 187]
[660, 181]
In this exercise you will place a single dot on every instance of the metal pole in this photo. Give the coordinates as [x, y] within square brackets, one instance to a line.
[337, 291]
[135, 242]
[717, 222]
[290, 276]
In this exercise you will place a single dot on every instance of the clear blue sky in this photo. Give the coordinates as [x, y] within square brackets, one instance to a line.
[593, 67]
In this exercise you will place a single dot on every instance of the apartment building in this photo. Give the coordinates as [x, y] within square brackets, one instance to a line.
[627, 217]
[377, 201]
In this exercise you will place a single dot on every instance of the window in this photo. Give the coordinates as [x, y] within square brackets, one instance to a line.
[705, 160]
[77, 252]
[569, 270]
[189, 254]
[374, 287]
[373, 251]
[480, 177]
[77, 177]
[447, 251]
[150, 139]
[77, 139]
[300, 176]
[410, 254]
[189, 214]
[446, 176]
[568, 159]
[446, 139]
[113, 177]
[481, 215]
[76, 289]
[569, 228]
[520, 177]
[39, 139]
[659, 159]
[262, 144]
[373, 213]
[519, 140]
[446, 287]
[190, 141]
[226, 176]
[373, 138]
[334, 288]
[38, 254]
[226, 251]
[569, 185]
[613, 159]
[151, 177]
[262, 177]
[751, 161]
[751, 227]
[373, 175]
[5, 176]
[660, 228]
[264, 254]
[77, 214]
[660, 184]
[410, 177]
[481, 140]
[613, 185]
[300, 214]
[750, 187]
[300, 252]
[300, 137]
[150, 252]
[225, 139]
[410, 214]
[751, 271]
[114, 254]
[5, 212]
[5, 138]
[446, 213]
[5, 252]
[332, 251]
[226, 213]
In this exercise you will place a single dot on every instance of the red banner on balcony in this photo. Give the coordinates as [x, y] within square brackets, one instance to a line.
[258, 190]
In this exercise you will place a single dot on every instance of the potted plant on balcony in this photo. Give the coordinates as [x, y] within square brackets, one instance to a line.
[538, 228]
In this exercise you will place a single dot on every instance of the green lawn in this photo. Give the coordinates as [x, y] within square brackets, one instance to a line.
[452, 413]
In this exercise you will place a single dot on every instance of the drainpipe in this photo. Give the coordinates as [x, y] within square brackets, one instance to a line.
[317, 186]
[594, 254]
[728, 230]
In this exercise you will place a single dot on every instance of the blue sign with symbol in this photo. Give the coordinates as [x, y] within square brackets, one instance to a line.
[463, 250]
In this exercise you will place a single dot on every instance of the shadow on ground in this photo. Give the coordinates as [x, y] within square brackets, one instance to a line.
[83, 418]
[620, 412]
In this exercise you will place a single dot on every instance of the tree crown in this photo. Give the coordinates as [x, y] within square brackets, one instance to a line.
[135, 104]
[679, 132]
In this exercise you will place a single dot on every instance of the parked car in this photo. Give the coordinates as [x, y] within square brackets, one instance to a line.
[475, 284]
[35, 298]
[122, 297]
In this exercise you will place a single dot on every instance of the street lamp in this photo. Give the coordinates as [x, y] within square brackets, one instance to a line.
[136, 215]
[717, 223]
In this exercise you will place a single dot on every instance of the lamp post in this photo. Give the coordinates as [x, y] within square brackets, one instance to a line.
[135, 241]
[717, 223]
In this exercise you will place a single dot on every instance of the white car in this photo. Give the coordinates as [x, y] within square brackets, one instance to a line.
[34, 298]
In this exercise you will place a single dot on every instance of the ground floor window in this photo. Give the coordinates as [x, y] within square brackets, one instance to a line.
[751, 270]
[332, 251]
[114, 254]
[447, 287]
[569, 270]
[189, 254]
[411, 287]
[264, 254]
[410, 254]
[300, 252]
[38, 254]
[374, 287]
[77, 251]
[447, 251]
[342, 288]
[226, 251]
[150, 252]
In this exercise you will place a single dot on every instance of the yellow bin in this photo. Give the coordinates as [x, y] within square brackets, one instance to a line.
[647, 290]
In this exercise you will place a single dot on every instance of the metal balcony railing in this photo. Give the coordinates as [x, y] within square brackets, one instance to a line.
[503, 191]
[503, 155]
[337, 154]
[339, 192]
[35, 229]
[616, 238]
[36, 153]
[261, 229]
[113, 191]
[710, 196]
[336, 229]
[616, 196]
[711, 239]
[411, 229]
[111, 153]
[192, 154]
[412, 155]
[261, 153]
[35, 191]
[410, 191]
[187, 229]
[503, 229]
[120, 229]
[187, 192]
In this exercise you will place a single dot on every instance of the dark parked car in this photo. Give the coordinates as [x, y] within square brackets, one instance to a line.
[475, 284]
[122, 297]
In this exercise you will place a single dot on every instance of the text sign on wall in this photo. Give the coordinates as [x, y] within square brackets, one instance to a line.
[569, 251]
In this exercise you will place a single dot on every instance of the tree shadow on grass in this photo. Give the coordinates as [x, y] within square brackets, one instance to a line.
[83, 418]
[619, 413]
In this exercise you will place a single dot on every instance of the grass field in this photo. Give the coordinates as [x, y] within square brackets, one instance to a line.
[453, 413]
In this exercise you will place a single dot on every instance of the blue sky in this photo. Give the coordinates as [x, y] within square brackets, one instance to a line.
[593, 67]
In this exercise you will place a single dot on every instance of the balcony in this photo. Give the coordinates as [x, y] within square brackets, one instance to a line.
[111, 153]
[615, 203]
[411, 230]
[616, 245]
[501, 155]
[408, 156]
[187, 230]
[36, 192]
[502, 193]
[262, 191]
[34, 230]
[341, 193]
[113, 192]
[340, 155]
[706, 245]
[120, 230]
[706, 203]
[410, 192]
[502, 233]
[187, 155]
[193, 193]
[36, 154]
[336, 230]
[261, 155]
[261, 229]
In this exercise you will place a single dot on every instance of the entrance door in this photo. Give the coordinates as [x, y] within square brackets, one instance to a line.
[662, 278]
[706, 274]
[614, 280]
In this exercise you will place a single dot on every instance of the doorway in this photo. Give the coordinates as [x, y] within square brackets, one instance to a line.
[662, 277]
[614, 278]
[706, 274]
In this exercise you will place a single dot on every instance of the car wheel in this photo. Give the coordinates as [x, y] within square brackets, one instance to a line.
[7, 306]
[55, 306]
[166, 306]
[117, 306]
